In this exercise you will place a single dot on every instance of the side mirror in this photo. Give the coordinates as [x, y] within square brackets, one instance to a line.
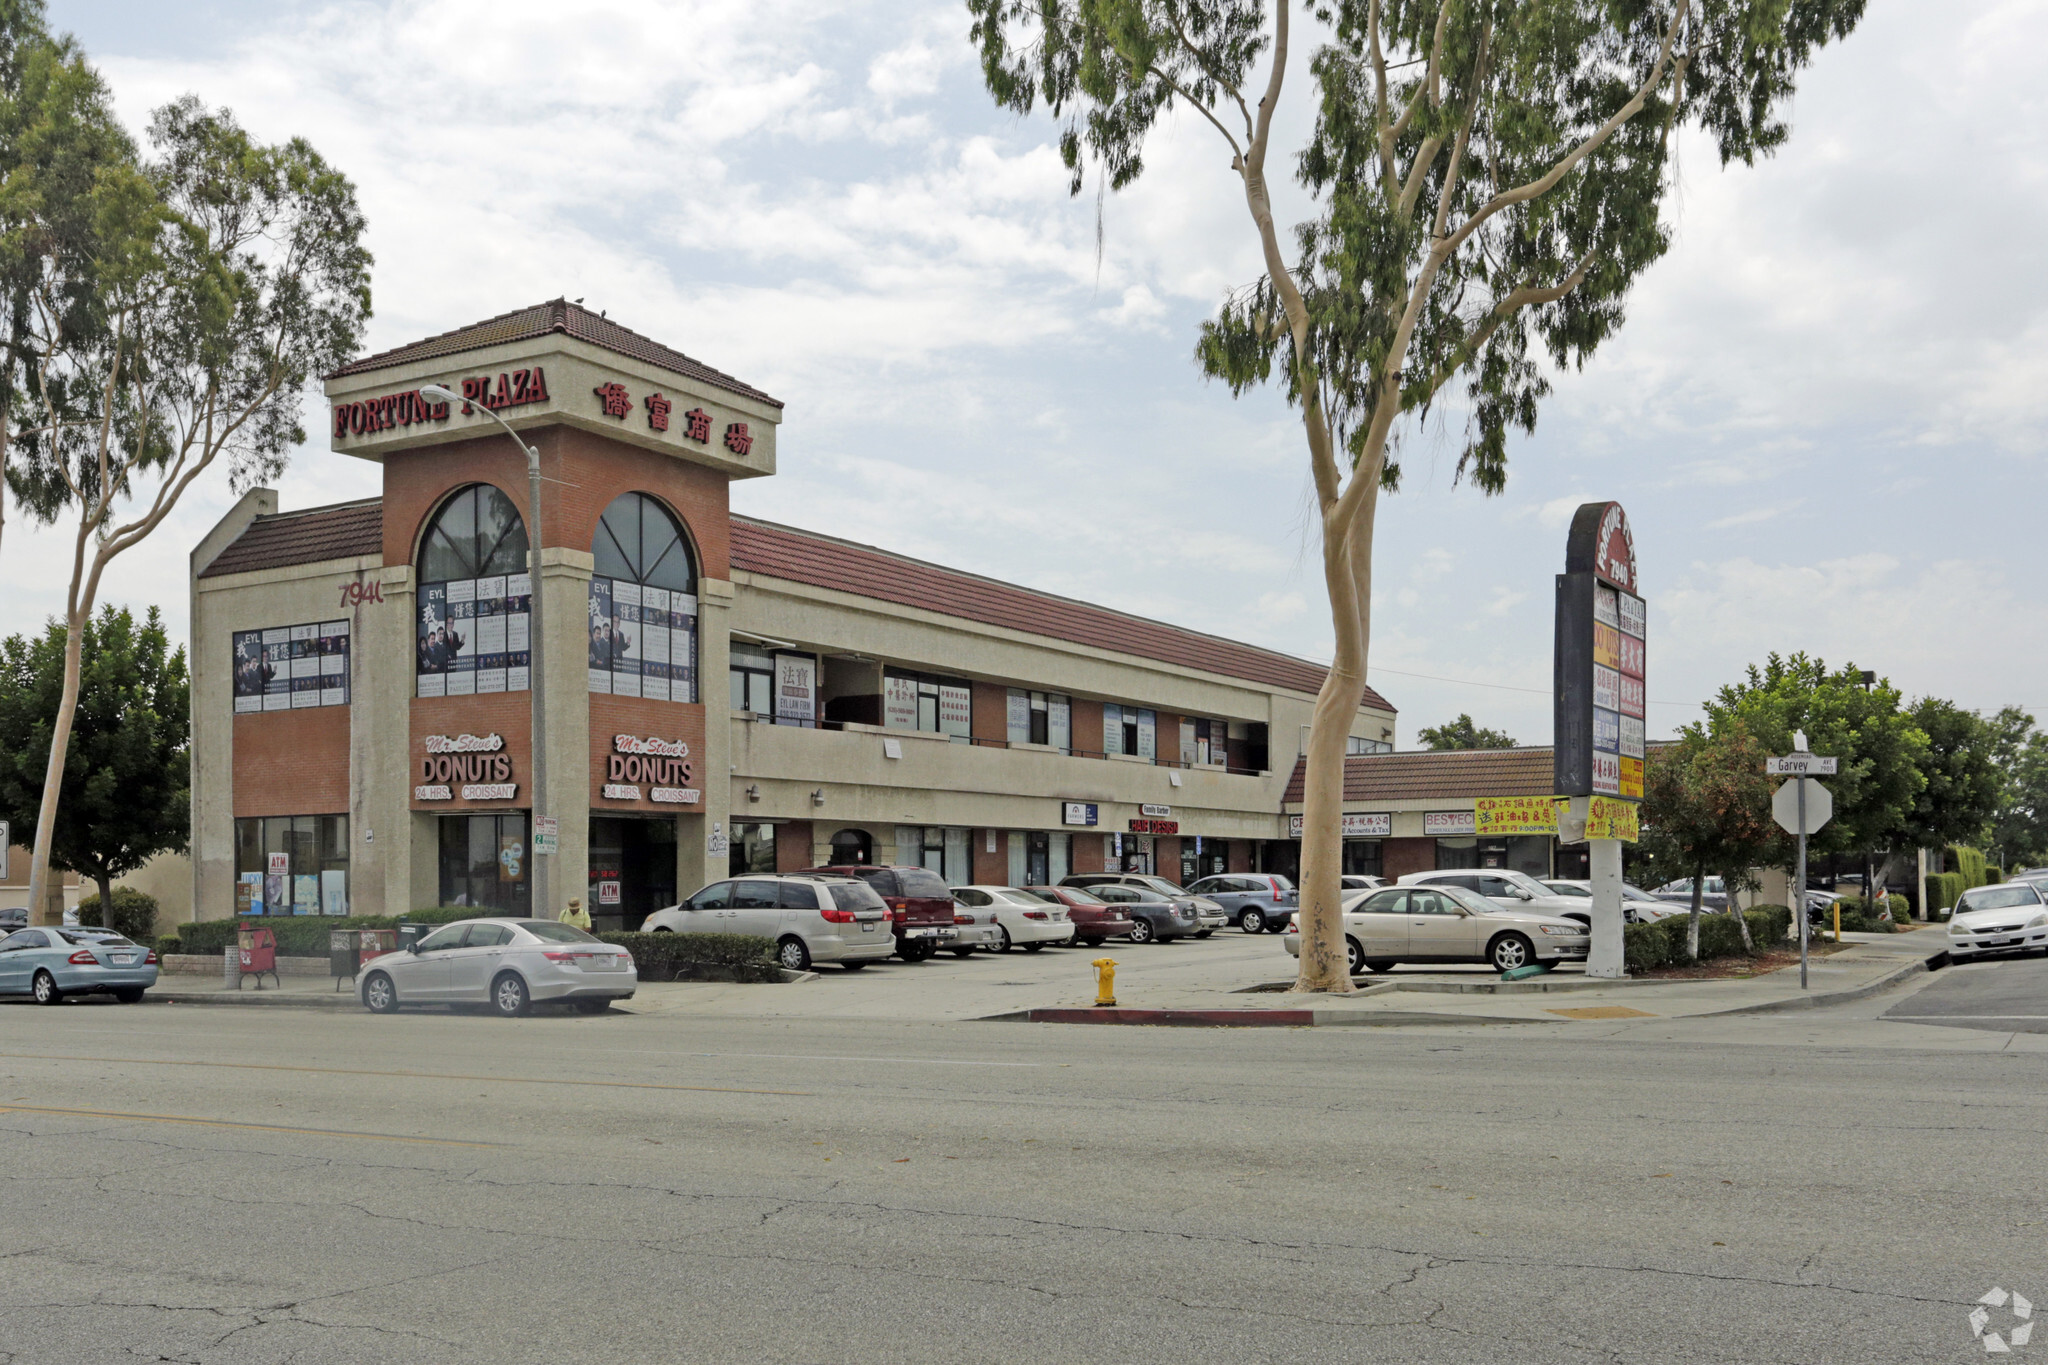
[1522, 894]
[413, 946]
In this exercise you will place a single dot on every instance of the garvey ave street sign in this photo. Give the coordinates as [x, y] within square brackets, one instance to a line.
[1799, 765]
[1820, 806]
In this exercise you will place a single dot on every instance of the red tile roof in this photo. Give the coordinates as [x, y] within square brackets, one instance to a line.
[542, 319]
[822, 561]
[1449, 774]
[341, 531]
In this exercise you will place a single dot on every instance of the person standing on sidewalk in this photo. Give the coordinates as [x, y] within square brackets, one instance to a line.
[575, 914]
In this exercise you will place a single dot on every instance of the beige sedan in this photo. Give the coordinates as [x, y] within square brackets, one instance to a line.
[1448, 924]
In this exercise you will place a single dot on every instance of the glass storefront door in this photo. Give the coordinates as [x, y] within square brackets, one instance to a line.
[485, 862]
[632, 870]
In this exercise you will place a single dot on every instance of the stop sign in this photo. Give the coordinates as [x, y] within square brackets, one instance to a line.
[1820, 806]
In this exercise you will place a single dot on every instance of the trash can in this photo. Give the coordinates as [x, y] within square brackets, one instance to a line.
[258, 949]
[344, 954]
[374, 944]
[231, 966]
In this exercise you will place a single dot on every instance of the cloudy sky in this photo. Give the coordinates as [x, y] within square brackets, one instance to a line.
[1825, 416]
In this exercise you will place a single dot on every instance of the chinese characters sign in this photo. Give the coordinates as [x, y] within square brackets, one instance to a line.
[1601, 659]
[1514, 815]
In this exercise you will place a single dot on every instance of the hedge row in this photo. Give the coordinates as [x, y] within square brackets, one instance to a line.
[298, 935]
[1662, 943]
[133, 914]
[657, 956]
[1857, 918]
[1944, 889]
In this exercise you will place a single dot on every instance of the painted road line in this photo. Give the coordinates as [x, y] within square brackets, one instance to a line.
[243, 1127]
[402, 1075]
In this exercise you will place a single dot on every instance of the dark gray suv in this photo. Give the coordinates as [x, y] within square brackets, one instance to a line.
[1254, 901]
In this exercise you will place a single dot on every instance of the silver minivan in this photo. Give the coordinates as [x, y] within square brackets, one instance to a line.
[811, 918]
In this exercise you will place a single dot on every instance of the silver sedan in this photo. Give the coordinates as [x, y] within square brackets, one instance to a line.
[508, 964]
[1447, 924]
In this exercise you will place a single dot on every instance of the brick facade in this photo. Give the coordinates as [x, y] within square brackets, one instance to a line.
[292, 762]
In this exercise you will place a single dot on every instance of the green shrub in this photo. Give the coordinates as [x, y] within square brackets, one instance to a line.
[169, 944]
[306, 935]
[1970, 863]
[1943, 890]
[1662, 944]
[656, 956]
[133, 914]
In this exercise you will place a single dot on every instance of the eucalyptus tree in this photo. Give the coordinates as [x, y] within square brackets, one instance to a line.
[219, 275]
[1488, 180]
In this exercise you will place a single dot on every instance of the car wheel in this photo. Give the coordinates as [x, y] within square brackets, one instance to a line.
[793, 954]
[1003, 945]
[509, 996]
[379, 995]
[917, 950]
[1354, 955]
[1381, 965]
[1253, 922]
[1587, 920]
[1510, 951]
[1033, 947]
[853, 966]
[961, 952]
[129, 995]
[1141, 931]
[45, 989]
[593, 1006]
[663, 929]
[1205, 933]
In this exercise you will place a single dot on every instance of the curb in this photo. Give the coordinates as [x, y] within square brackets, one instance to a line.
[275, 1000]
[1244, 1018]
[1841, 997]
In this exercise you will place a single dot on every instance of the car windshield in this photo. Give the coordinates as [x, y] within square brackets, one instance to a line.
[1074, 895]
[1011, 896]
[1526, 883]
[1279, 881]
[1567, 889]
[1997, 898]
[106, 938]
[1471, 900]
[1159, 884]
[554, 931]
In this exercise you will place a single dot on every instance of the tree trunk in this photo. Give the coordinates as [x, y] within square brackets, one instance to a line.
[53, 774]
[1325, 966]
[1699, 899]
[1735, 908]
[106, 885]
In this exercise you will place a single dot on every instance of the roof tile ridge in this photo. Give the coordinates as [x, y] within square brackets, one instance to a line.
[375, 499]
[437, 336]
[1035, 592]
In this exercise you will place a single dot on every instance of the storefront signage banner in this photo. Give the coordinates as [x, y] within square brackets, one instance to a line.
[285, 668]
[899, 702]
[1362, 825]
[1155, 826]
[1440, 823]
[796, 690]
[1077, 813]
[1514, 815]
[1155, 812]
[1600, 659]
[1608, 818]
[956, 710]
[662, 765]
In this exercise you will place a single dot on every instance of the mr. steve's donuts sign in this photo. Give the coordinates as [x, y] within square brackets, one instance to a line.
[661, 766]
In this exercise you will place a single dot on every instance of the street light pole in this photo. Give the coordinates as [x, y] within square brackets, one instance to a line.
[543, 906]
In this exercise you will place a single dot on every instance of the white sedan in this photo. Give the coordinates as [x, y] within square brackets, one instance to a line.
[1021, 918]
[1637, 905]
[2010, 918]
[508, 964]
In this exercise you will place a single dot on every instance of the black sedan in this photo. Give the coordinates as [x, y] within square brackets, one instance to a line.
[1152, 916]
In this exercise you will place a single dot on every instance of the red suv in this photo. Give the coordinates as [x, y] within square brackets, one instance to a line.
[920, 904]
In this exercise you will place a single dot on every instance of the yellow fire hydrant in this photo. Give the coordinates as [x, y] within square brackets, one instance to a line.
[1105, 981]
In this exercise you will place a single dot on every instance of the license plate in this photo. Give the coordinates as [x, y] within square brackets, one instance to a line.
[867, 928]
[123, 959]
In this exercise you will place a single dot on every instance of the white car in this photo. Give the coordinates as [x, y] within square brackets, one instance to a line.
[1438, 923]
[812, 918]
[2009, 918]
[1637, 905]
[974, 927]
[1021, 918]
[508, 964]
[1511, 890]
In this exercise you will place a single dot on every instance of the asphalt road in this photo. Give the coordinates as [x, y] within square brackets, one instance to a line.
[1997, 995]
[226, 1186]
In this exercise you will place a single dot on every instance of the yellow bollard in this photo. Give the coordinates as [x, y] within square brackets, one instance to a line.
[1105, 981]
[1838, 921]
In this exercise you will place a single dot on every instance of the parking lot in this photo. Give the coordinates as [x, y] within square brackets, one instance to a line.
[1999, 995]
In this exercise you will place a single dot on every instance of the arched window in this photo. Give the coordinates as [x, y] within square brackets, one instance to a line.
[474, 596]
[852, 846]
[643, 603]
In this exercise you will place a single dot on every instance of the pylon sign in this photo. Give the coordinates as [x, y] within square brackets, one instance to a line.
[1598, 684]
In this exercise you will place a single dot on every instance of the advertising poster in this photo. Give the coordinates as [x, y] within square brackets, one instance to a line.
[1515, 815]
[1148, 739]
[1631, 737]
[796, 690]
[251, 673]
[1059, 723]
[1017, 717]
[458, 638]
[682, 647]
[277, 883]
[1607, 773]
[1632, 778]
[626, 642]
[899, 702]
[956, 711]
[1189, 751]
[334, 892]
[1606, 730]
[655, 632]
[249, 894]
[1112, 728]
[305, 648]
[1449, 822]
[511, 858]
[277, 669]
[432, 636]
[306, 893]
[489, 633]
[518, 616]
[608, 892]
[600, 635]
[334, 675]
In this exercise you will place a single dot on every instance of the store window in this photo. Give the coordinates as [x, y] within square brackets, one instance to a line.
[918, 701]
[852, 847]
[753, 849]
[753, 681]
[474, 597]
[1354, 744]
[1041, 718]
[643, 603]
[944, 851]
[484, 862]
[1203, 741]
[291, 865]
[1038, 858]
[1129, 730]
[1528, 853]
[1362, 857]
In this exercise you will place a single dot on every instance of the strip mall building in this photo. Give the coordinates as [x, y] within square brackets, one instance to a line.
[722, 693]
